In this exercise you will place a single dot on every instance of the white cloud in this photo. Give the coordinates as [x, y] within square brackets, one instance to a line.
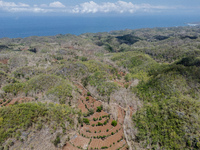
[12, 4]
[22, 7]
[56, 4]
[119, 6]
[87, 7]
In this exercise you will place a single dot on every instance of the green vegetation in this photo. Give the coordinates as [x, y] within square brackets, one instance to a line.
[25, 115]
[86, 121]
[104, 147]
[99, 124]
[95, 119]
[99, 108]
[50, 84]
[88, 94]
[171, 102]
[105, 122]
[87, 98]
[90, 112]
[57, 140]
[160, 67]
[114, 123]
[99, 74]
[138, 64]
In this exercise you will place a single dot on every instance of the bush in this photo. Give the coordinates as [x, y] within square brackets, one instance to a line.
[88, 94]
[95, 119]
[104, 116]
[104, 147]
[114, 123]
[99, 108]
[99, 124]
[105, 122]
[83, 58]
[86, 121]
[90, 112]
[56, 141]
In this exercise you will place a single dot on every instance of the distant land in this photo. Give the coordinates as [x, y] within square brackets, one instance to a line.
[194, 24]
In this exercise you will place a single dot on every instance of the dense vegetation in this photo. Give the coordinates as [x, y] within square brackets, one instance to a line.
[169, 118]
[16, 118]
[165, 61]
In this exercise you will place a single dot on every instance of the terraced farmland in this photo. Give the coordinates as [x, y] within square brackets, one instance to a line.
[98, 131]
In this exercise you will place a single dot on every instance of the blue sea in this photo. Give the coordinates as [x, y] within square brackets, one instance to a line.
[14, 27]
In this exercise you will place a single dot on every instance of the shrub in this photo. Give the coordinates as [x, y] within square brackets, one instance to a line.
[57, 140]
[95, 119]
[104, 116]
[114, 123]
[99, 108]
[88, 131]
[90, 112]
[104, 147]
[87, 98]
[105, 122]
[88, 94]
[86, 121]
[83, 58]
[99, 124]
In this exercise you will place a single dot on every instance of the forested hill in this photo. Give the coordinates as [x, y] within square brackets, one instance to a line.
[130, 89]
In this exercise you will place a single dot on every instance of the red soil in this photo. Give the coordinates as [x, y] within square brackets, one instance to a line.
[107, 142]
[121, 115]
[4, 61]
[82, 107]
[69, 146]
[89, 136]
[19, 100]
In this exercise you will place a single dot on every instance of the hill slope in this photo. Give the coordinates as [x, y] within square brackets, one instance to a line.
[131, 89]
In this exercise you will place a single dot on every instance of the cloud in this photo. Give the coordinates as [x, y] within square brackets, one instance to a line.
[56, 4]
[12, 4]
[22, 7]
[119, 7]
[84, 8]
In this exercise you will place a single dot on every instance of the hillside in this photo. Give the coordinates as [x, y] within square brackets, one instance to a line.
[130, 89]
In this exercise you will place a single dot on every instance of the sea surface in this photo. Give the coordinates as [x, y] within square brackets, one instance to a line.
[14, 27]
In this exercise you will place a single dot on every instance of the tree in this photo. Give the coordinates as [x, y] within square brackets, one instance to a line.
[114, 123]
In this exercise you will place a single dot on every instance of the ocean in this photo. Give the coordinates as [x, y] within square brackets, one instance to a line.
[14, 27]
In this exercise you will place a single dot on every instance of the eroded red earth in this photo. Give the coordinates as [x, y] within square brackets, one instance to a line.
[92, 136]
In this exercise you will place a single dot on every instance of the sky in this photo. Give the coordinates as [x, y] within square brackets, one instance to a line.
[98, 7]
